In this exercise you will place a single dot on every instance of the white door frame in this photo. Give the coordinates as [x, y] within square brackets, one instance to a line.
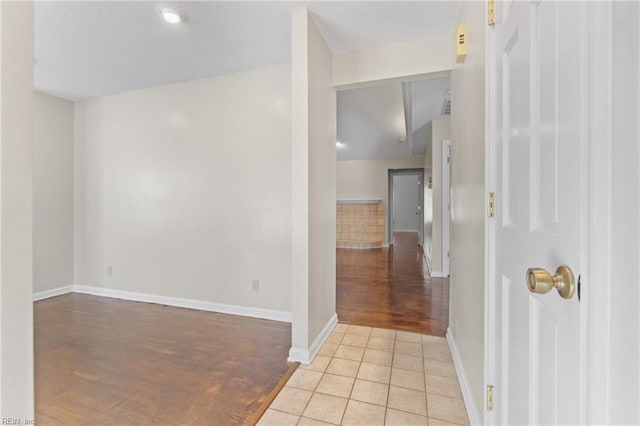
[595, 306]
[446, 205]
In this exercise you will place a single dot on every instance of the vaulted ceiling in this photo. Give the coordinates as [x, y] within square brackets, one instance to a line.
[381, 121]
[87, 49]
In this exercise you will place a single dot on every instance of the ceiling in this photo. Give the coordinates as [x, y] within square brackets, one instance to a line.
[372, 122]
[85, 49]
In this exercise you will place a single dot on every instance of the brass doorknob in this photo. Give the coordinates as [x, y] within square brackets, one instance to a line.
[541, 281]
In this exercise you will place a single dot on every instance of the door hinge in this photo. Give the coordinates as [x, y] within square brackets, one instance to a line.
[490, 398]
[491, 16]
[491, 204]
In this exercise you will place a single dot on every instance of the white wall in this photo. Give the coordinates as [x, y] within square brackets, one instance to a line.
[314, 189]
[441, 130]
[413, 58]
[466, 326]
[369, 179]
[185, 190]
[52, 192]
[405, 202]
[624, 326]
[322, 184]
[16, 251]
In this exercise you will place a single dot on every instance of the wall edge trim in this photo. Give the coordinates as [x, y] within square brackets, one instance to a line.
[306, 356]
[199, 305]
[474, 416]
[47, 294]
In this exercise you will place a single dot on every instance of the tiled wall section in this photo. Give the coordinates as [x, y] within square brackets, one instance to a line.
[360, 225]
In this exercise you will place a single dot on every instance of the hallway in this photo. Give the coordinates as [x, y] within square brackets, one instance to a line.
[391, 288]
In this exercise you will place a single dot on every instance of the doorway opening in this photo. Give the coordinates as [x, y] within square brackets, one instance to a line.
[389, 185]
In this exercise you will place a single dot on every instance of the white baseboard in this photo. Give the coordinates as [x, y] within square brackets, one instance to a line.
[305, 356]
[474, 416]
[244, 311]
[41, 295]
[426, 258]
[434, 274]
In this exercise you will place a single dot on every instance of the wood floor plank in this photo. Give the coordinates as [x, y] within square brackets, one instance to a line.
[107, 361]
[391, 288]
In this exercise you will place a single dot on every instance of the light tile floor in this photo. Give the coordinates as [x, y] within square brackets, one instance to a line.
[371, 376]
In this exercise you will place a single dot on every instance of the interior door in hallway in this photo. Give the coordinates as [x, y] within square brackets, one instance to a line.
[406, 202]
[539, 166]
[406, 208]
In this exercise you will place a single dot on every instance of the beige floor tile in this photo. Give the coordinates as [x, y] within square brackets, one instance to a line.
[343, 367]
[349, 352]
[383, 333]
[407, 348]
[304, 379]
[319, 363]
[374, 373]
[328, 349]
[437, 422]
[361, 413]
[445, 386]
[371, 392]
[305, 421]
[439, 368]
[326, 408]
[374, 356]
[447, 409]
[408, 362]
[426, 339]
[408, 400]
[401, 418]
[355, 340]
[341, 328]
[277, 418]
[335, 385]
[407, 336]
[381, 344]
[434, 342]
[335, 337]
[291, 400]
[437, 352]
[407, 379]
[360, 330]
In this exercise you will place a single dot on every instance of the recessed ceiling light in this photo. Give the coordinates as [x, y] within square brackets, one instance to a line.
[171, 13]
[339, 144]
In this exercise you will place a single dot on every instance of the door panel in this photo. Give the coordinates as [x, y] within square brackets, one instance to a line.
[539, 158]
[544, 148]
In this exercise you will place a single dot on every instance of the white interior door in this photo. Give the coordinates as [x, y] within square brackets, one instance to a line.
[539, 151]
[446, 205]
[406, 202]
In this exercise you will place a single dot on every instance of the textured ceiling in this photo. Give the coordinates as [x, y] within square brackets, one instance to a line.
[371, 120]
[88, 49]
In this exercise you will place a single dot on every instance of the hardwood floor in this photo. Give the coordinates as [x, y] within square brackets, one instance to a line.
[391, 288]
[108, 361]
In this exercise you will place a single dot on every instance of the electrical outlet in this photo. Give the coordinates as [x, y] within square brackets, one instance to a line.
[109, 271]
[255, 285]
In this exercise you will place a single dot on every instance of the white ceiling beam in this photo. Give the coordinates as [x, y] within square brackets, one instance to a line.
[407, 100]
